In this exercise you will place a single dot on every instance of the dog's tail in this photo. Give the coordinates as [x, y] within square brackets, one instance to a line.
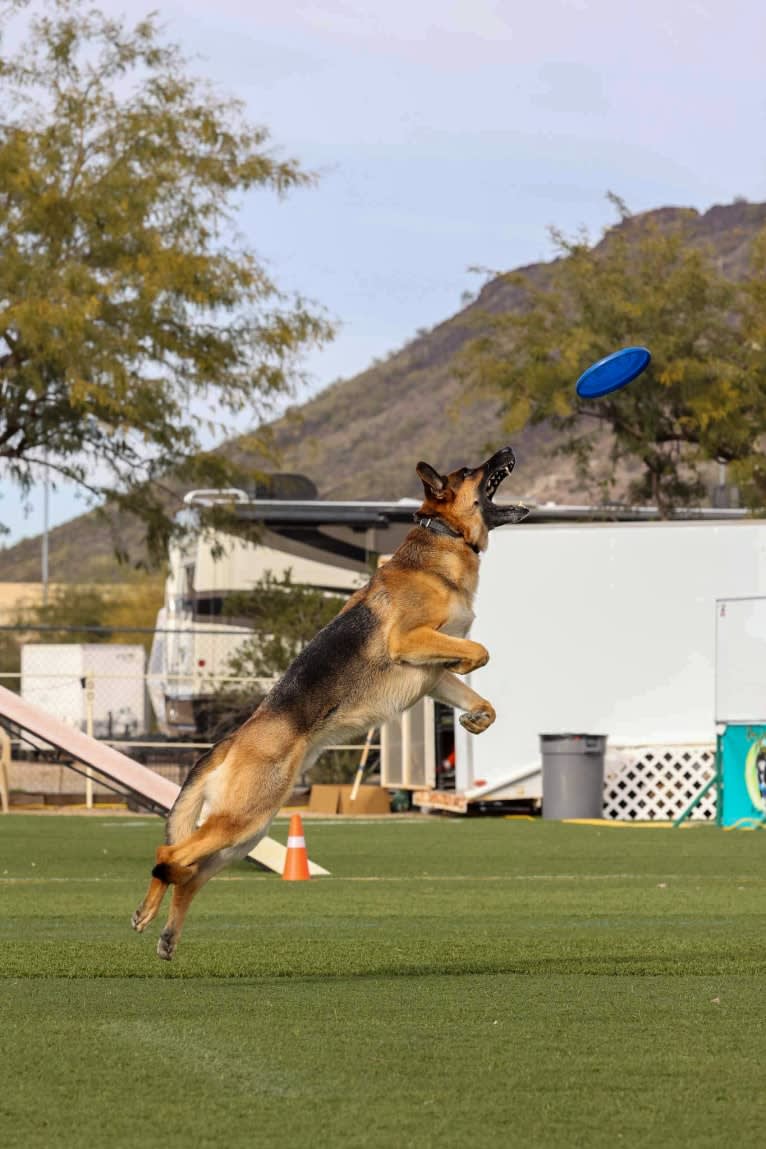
[187, 807]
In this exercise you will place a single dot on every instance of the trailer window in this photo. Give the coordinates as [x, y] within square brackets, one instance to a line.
[209, 605]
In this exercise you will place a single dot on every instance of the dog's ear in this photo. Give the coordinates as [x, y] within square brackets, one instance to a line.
[434, 483]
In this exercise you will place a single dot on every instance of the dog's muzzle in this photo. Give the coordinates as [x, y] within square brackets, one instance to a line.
[496, 470]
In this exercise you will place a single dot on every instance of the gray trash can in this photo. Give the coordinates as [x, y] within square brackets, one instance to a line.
[573, 775]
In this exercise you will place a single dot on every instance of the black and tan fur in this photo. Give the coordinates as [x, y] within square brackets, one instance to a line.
[399, 638]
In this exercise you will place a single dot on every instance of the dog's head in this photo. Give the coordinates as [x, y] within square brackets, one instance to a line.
[464, 499]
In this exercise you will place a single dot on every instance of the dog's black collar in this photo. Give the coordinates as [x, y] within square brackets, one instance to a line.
[439, 527]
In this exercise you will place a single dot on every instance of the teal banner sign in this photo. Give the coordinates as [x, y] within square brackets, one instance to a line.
[743, 774]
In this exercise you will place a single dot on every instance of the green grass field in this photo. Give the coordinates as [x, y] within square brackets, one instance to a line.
[454, 983]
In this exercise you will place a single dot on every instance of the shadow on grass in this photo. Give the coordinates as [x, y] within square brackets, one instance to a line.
[70, 961]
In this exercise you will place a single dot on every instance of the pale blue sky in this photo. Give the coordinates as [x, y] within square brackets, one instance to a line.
[452, 134]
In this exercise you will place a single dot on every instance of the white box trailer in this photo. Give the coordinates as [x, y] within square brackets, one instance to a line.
[740, 695]
[598, 628]
[53, 676]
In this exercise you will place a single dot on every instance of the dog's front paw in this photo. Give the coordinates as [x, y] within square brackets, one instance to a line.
[479, 657]
[475, 721]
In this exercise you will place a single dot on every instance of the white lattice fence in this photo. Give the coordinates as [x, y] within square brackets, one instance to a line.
[657, 783]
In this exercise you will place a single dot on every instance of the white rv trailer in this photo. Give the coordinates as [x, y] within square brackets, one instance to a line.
[327, 546]
[593, 627]
[596, 628]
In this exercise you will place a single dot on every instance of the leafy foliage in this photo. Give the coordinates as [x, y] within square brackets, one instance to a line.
[702, 399]
[127, 300]
[73, 614]
[93, 614]
[10, 661]
[750, 470]
[284, 616]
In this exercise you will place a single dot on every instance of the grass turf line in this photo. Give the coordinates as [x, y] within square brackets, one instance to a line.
[604, 989]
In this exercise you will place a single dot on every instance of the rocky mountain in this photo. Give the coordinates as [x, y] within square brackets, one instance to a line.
[361, 437]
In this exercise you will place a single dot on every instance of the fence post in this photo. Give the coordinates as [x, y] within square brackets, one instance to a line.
[90, 690]
[5, 762]
[362, 763]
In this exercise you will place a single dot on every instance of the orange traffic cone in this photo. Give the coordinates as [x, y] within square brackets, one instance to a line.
[297, 860]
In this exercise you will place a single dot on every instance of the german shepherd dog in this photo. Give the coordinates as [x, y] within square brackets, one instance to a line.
[399, 638]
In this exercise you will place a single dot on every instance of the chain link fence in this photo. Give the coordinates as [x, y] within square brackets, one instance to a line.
[119, 693]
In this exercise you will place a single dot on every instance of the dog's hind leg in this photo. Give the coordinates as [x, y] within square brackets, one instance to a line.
[188, 805]
[147, 910]
[224, 837]
[185, 891]
[213, 837]
[180, 823]
[162, 876]
[182, 899]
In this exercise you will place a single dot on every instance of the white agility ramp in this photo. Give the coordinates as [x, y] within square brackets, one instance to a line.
[149, 787]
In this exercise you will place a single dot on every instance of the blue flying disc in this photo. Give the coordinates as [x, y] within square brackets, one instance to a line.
[613, 372]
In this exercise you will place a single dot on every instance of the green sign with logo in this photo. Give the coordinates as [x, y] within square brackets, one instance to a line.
[743, 775]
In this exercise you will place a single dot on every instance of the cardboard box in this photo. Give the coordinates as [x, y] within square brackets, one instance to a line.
[325, 799]
[336, 799]
[369, 800]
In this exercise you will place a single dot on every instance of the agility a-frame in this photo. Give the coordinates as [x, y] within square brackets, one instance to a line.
[117, 771]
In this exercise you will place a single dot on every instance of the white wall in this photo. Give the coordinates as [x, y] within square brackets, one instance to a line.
[741, 660]
[600, 628]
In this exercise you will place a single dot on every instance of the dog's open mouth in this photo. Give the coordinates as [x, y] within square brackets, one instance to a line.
[492, 484]
[496, 471]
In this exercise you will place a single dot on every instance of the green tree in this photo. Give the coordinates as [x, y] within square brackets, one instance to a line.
[284, 616]
[127, 298]
[75, 613]
[749, 471]
[704, 395]
[71, 614]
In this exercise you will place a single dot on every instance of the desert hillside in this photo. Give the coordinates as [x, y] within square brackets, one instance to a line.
[360, 437]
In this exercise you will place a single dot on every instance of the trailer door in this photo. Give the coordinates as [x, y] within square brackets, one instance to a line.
[408, 749]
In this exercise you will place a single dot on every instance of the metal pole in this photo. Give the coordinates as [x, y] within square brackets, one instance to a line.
[362, 764]
[406, 748]
[46, 523]
[719, 779]
[5, 762]
[90, 690]
[696, 801]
